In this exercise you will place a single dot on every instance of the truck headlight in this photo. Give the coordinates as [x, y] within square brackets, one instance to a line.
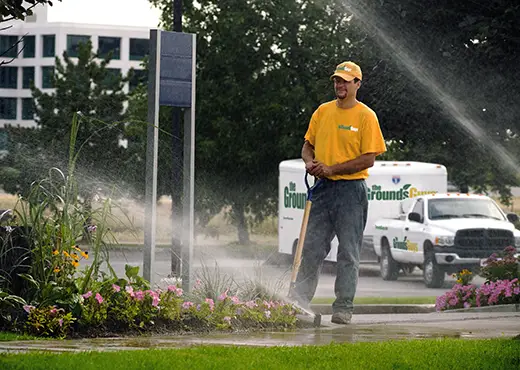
[445, 241]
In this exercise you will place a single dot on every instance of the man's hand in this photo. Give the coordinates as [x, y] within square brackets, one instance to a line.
[318, 169]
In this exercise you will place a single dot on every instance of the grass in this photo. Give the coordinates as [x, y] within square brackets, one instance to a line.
[416, 354]
[381, 300]
[8, 336]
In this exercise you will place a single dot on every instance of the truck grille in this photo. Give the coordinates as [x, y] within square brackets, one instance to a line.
[484, 238]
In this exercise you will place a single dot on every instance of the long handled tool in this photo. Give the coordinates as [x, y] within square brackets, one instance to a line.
[303, 231]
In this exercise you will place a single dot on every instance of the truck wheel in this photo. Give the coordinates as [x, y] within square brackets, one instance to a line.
[389, 267]
[433, 274]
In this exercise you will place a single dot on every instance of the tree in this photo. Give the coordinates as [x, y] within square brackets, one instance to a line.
[86, 86]
[262, 68]
[19, 9]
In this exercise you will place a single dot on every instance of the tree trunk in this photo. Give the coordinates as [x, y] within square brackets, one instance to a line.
[240, 218]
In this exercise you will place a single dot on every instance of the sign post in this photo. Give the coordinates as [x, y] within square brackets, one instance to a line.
[171, 82]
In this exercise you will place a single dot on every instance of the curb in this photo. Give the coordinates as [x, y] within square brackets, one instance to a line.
[377, 309]
[497, 308]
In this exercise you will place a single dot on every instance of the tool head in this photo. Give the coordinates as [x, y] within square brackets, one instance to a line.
[317, 320]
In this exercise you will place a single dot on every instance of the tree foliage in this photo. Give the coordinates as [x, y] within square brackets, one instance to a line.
[19, 9]
[87, 86]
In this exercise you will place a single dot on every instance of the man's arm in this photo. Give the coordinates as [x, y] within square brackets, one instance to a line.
[358, 164]
[307, 152]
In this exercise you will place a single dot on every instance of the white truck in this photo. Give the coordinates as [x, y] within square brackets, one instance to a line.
[388, 183]
[443, 233]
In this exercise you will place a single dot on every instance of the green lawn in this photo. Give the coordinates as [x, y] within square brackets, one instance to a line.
[381, 300]
[416, 354]
[7, 336]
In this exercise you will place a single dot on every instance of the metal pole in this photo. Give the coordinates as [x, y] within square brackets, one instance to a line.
[177, 175]
[151, 155]
[189, 183]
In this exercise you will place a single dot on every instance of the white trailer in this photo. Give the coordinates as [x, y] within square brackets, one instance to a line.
[389, 183]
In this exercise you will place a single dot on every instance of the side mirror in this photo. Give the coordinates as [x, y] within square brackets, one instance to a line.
[414, 216]
[512, 217]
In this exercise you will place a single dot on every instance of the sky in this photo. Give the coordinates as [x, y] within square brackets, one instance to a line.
[137, 13]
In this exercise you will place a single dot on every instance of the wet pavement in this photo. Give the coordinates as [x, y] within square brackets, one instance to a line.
[382, 327]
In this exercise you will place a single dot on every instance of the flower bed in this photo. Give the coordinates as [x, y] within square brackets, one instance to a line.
[55, 297]
[502, 285]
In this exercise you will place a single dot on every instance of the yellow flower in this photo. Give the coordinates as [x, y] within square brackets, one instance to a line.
[56, 269]
[66, 254]
[55, 252]
[75, 256]
[84, 255]
[75, 263]
[76, 248]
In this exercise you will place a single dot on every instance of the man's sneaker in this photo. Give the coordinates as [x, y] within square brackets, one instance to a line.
[341, 317]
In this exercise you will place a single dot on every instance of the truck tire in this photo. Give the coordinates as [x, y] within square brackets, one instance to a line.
[389, 267]
[433, 274]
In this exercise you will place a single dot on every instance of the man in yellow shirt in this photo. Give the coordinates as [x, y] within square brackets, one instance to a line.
[341, 143]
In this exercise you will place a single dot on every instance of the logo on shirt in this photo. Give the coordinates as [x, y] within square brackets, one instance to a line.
[348, 128]
[396, 179]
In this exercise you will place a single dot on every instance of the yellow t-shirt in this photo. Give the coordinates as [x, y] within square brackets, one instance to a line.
[339, 135]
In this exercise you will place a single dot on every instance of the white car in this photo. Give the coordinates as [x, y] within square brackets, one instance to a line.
[443, 233]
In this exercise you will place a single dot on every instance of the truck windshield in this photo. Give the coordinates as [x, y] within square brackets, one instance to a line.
[439, 209]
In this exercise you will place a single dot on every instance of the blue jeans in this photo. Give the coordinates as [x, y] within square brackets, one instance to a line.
[338, 208]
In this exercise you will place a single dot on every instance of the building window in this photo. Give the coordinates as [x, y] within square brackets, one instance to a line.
[8, 46]
[27, 77]
[27, 109]
[29, 49]
[138, 49]
[8, 108]
[49, 46]
[47, 77]
[109, 44]
[73, 42]
[138, 76]
[8, 77]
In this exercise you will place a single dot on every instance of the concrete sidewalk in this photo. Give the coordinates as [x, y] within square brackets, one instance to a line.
[363, 328]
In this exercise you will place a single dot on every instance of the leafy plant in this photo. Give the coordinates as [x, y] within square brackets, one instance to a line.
[48, 321]
[501, 266]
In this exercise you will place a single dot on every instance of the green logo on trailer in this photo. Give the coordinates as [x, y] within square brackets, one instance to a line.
[292, 199]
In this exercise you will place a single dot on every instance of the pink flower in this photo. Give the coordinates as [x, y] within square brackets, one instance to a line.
[116, 288]
[211, 303]
[28, 308]
[155, 300]
[87, 295]
[250, 304]
[467, 305]
[187, 305]
[139, 295]
[223, 296]
[130, 290]
[227, 319]
[53, 311]
[99, 298]
[235, 300]
[176, 290]
[60, 322]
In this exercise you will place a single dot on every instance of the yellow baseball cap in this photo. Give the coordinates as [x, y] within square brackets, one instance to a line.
[348, 71]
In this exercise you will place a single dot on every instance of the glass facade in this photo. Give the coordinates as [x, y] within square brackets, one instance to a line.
[8, 47]
[109, 44]
[49, 46]
[139, 48]
[27, 109]
[27, 77]
[29, 48]
[73, 42]
[8, 108]
[47, 77]
[8, 77]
